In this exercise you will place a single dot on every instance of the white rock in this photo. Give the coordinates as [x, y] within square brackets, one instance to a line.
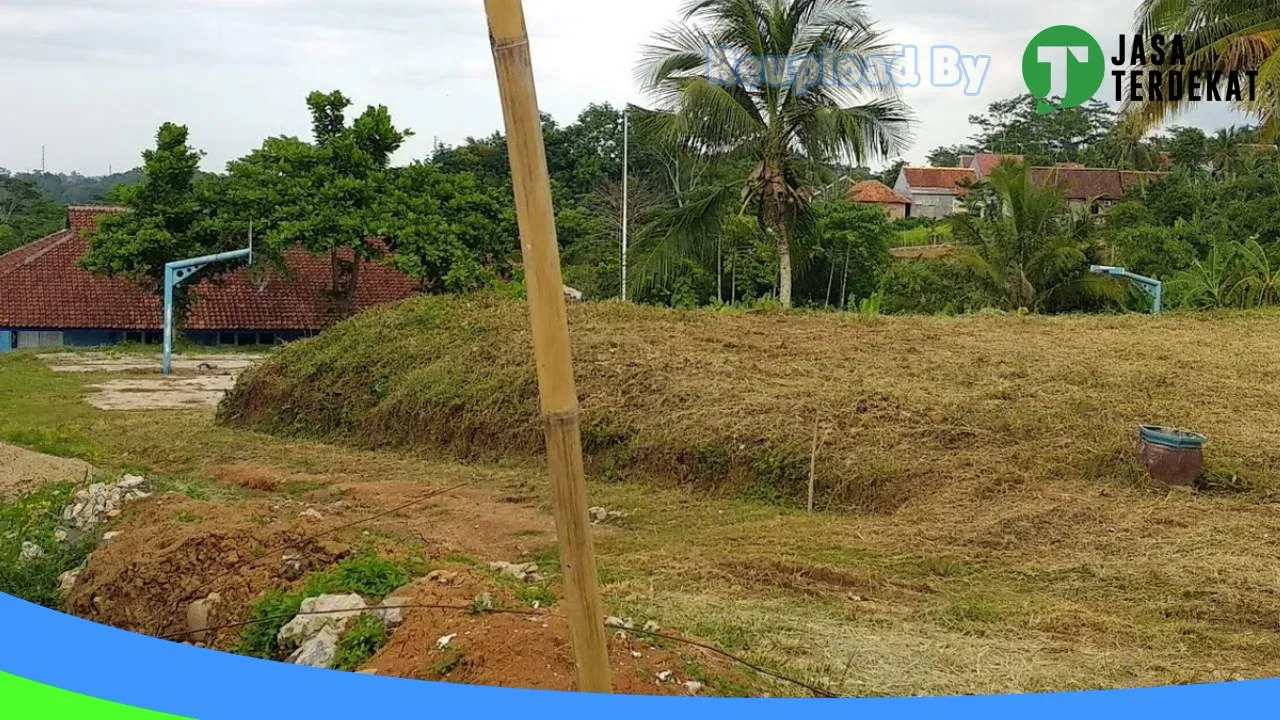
[603, 515]
[444, 577]
[198, 616]
[693, 686]
[445, 641]
[318, 613]
[311, 514]
[524, 572]
[617, 622]
[60, 536]
[30, 552]
[67, 580]
[390, 612]
[108, 537]
[664, 676]
[652, 627]
[100, 501]
[319, 651]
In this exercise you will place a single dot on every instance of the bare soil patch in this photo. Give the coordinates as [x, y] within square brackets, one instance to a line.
[24, 471]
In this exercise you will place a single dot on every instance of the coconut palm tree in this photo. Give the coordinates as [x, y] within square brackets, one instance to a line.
[1219, 35]
[1227, 151]
[1029, 248]
[785, 126]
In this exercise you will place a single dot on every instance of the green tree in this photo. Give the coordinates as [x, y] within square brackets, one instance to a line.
[25, 214]
[853, 253]
[168, 219]
[1030, 250]
[1220, 35]
[783, 126]
[1014, 127]
[330, 196]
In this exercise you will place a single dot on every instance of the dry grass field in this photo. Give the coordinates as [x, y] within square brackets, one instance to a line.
[983, 526]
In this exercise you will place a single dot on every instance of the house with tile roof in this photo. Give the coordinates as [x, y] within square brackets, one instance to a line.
[934, 192]
[877, 194]
[47, 299]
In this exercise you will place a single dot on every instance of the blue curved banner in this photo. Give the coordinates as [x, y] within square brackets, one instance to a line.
[42, 651]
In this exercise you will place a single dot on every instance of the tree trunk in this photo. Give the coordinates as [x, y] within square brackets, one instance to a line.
[831, 279]
[784, 266]
[719, 272]
[844, 282]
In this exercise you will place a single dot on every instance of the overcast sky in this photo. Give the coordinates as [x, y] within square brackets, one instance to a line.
[92, 79]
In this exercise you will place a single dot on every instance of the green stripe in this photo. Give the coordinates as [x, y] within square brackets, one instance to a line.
[26, 700]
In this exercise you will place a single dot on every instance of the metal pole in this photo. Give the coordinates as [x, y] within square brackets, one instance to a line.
[626, 147]
[169, 282]
[554, 361]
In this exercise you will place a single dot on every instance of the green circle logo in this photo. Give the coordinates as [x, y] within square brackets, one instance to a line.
[1063, 67]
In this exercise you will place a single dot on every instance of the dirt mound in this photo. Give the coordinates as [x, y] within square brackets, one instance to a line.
[172, 551]
[23, 471]
[896, 407]
[521, 651]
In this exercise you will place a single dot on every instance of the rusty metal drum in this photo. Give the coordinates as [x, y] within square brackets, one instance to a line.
[1173, 457]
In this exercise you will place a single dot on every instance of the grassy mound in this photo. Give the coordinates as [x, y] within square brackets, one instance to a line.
[882, 410]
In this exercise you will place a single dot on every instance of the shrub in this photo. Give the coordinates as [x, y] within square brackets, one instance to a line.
[930, 287]
[365, 638]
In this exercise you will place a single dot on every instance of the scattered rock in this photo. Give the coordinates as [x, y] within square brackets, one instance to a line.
[317, 614]
[445, 641]
[60, 536]
[636, 654]
[30, 553]
[483, 602]
[652, 627]
[617, 622]
[198, 617]
[601, 515]
[291, 567]
[444, 577]
[312, 515]
[693, 686]
[99, 501]
[524, 572]
[319, 651]
[390, 612]
[67, 580]
[108, 537]
[664, 676]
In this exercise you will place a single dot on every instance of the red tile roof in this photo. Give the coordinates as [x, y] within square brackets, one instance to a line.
[951, 179]
[1092, 184]
[43, 286]
[84, 218]
[876, 193]
[987, 162]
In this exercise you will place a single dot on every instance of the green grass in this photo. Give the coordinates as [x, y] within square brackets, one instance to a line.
[272, 612]
[360, 643]
[35, 518]
[924, 235]
[368, 576]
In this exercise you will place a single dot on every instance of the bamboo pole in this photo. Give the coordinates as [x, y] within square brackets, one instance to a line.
[560, 412]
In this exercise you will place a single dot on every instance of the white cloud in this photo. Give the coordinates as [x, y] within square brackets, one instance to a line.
[92, 79]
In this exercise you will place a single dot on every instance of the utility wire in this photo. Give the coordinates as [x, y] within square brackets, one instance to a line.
[818, 691]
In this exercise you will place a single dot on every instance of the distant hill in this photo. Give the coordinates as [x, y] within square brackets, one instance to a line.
[77, 189]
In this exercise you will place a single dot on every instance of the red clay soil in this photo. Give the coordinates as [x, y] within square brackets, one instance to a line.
[519, 651]
[173, 551]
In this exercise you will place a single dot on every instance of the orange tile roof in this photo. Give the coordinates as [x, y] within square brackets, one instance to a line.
[876, 193]
[952, 179]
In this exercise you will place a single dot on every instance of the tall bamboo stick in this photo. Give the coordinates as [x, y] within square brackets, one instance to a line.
[510, 41]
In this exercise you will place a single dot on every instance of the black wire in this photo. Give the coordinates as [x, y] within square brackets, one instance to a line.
[820, 692]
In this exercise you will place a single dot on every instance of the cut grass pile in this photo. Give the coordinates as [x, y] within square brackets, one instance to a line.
[885, 411]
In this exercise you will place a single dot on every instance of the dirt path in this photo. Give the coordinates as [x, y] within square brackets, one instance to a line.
[23, 471]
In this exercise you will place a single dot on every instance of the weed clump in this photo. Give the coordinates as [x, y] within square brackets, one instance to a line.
[359, 644]
[34, 520]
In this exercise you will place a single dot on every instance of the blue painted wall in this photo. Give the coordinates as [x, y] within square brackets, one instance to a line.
[6, 341]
